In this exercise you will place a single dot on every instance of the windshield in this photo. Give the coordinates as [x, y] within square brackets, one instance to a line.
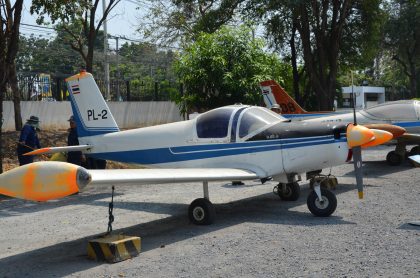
[396, 110]
[215, 123]
[257, 118]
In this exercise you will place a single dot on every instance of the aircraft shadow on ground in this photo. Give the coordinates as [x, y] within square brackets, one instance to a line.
[13, 207]
[380, 168]
[70, 257]
[407, 226]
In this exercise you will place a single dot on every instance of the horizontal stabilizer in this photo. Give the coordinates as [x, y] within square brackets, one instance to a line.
[59, 149]
[415, 159]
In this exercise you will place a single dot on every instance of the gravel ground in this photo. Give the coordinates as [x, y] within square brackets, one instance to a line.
[255, 234]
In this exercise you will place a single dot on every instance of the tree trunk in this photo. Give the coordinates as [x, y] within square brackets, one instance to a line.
[16, 95]
[296, 90]
[2, 91]
[413, 86]
[413, 78]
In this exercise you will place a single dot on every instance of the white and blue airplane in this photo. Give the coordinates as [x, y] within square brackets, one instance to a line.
[236, 142]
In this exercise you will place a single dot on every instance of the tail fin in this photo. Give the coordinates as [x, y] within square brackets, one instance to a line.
[90, 110]
[274, 93]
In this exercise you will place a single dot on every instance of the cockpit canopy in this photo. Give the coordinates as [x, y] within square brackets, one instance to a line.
[404, 110]
[236, 119]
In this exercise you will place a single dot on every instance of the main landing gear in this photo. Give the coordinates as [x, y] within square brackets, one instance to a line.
[287, 191]
[321, 201]
[201, 211]
[396, 157]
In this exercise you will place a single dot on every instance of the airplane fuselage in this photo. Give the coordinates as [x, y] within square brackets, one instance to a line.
[405, 114]
[275, 149]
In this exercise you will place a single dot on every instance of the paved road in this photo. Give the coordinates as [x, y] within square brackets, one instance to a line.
[255, 234]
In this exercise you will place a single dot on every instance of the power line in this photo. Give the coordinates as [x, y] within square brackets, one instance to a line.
[37, 26]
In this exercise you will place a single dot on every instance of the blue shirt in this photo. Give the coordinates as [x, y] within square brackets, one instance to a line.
[29, 136]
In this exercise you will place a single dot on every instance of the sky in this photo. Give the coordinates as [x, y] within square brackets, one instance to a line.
[123, 20]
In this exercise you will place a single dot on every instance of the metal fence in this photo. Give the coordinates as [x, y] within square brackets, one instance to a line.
[52, 87]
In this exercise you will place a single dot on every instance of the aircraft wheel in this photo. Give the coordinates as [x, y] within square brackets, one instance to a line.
[291, 193]
[415, 151]
[201, 212]
[393, 158]
[324, 207]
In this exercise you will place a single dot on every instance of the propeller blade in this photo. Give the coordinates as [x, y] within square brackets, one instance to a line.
[357, 160]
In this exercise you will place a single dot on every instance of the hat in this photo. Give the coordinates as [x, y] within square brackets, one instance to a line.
[33, 119]
[275, 105]
[71, 119]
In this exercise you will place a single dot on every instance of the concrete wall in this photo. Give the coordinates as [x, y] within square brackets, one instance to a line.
[54, 115]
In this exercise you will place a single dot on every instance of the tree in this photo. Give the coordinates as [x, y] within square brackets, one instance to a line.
[169, 21]
[145, 66]
[225, 68]
[330, 33]
[403, 39]
[78, 19]
[10, 17]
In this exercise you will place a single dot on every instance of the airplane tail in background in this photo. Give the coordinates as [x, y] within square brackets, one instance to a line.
[273, 93]
[90, 110]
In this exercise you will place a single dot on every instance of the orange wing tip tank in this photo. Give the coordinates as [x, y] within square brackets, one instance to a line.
[396, 131]
[358, 135]
[43, 181]
[381, 137]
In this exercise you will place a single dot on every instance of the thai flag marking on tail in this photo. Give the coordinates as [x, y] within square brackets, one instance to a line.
[75, 89]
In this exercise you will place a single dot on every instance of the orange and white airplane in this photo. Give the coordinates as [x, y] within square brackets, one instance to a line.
[403, 113]
[273, 93]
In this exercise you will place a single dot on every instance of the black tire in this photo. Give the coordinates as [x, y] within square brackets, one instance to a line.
[322, 209]
[414, 151]
[393, 158]
[291, 193]
[201, 212]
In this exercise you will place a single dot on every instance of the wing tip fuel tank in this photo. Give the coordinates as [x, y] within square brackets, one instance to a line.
[43, 181]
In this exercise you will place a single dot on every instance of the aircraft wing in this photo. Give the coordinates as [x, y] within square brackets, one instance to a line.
[46, 180]
[409, 138]
[59, 149]
[159, 176]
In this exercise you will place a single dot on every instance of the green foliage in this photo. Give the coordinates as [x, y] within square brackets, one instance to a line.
[53, 56]
[171, 21]
[225, 68]
[143, 64]
[402, 39]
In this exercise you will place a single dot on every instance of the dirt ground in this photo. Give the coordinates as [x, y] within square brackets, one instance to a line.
[254, 235]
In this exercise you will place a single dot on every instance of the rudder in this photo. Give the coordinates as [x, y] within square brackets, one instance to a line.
[274, 93]
[90, 110]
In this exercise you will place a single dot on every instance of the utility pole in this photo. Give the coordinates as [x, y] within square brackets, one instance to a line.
[118, 71]
[106, 63]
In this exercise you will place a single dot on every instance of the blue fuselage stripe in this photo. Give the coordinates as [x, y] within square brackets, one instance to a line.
[185, 153]
[408, 124]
